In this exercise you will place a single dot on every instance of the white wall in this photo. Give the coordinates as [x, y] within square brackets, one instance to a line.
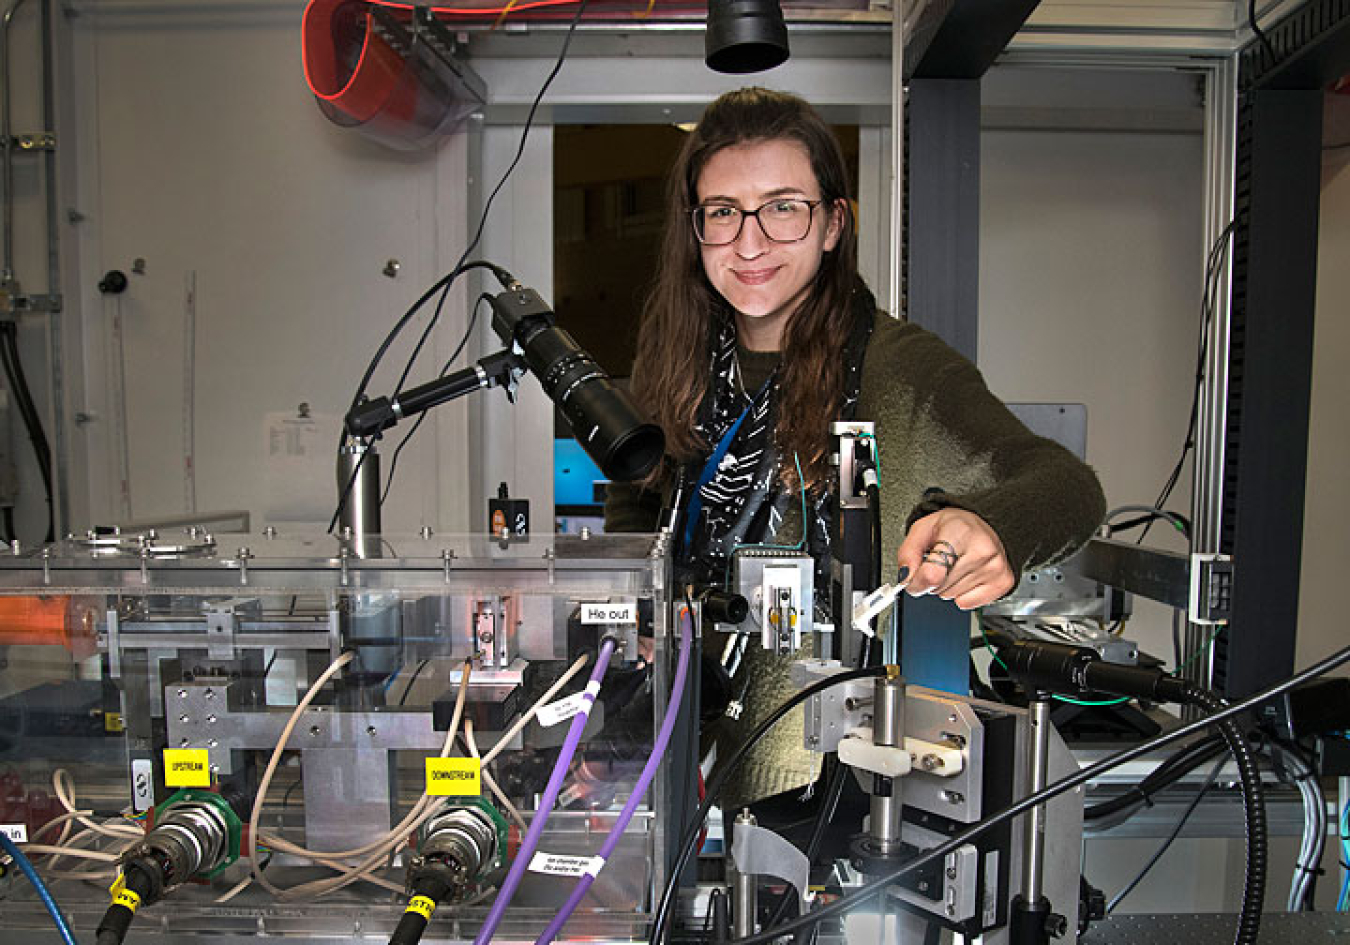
[1091, 262]
[1326, 529]
[205, 155]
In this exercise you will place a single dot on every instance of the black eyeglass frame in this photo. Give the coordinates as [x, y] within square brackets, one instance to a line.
[810, 221]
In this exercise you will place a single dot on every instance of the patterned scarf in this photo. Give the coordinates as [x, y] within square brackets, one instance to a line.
[744, 501]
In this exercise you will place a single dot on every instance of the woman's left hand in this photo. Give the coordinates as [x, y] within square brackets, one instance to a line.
[956, 555]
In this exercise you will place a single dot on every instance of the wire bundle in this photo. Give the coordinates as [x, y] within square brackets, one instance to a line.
[375, 854]
[1314, 831]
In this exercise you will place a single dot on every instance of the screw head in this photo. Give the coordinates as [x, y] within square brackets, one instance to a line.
[313, 731]
[182, 693]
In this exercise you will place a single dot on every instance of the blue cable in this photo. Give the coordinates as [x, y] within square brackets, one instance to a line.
[17, 856]
[1343, 901]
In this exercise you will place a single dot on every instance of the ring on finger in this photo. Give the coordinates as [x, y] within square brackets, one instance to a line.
[942, 553]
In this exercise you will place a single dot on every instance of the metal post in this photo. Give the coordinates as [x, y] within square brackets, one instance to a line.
[895, 300]
[1212, 415]
[358, 482]
[888, 730]
[1033, 863]
[744, 899]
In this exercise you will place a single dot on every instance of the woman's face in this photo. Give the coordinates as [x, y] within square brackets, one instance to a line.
[765, 281]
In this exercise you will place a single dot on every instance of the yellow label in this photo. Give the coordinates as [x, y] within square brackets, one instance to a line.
[119, 884]
[112, 722]
[454, 777]
[127, 898]
[422, 906]
[187, 767]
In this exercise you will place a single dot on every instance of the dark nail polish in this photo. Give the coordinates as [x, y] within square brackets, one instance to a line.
[902, 575]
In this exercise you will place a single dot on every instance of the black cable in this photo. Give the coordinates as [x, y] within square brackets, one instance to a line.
[444, 282]
[414, 920]
[690, 839]
[113, 927]
[1213, 266]
[1082, 776]
[1164, 776]
[1260, 33]
[468, 332]
[501, 274]
[23, 400]
[828, 804]
[408, 688]
[1167, 843]
[874, 507]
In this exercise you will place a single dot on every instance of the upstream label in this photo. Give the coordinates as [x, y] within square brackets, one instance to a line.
[618, 612]
[454, 777]
[187, 767]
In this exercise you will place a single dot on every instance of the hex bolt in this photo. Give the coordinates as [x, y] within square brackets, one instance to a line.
[183, 719]
[210, 720]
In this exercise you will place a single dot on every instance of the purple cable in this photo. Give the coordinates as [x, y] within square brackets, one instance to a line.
[644, 781]
[547, 799]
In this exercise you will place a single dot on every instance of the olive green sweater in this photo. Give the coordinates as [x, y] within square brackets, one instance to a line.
[944, 441]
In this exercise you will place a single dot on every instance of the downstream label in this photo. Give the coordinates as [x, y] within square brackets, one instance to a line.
[454, 777]
[555, 864]
[16, 832]
[187, 767]
[621, 612]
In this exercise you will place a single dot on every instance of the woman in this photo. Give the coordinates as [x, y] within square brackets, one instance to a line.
[758, 335]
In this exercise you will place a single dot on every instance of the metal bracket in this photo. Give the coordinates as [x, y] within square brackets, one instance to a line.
[30, 304]
[1211, 598]
[34, 141]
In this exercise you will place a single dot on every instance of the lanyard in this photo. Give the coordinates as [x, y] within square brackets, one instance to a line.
[695, 507]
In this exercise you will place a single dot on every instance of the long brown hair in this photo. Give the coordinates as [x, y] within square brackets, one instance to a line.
[672, 365]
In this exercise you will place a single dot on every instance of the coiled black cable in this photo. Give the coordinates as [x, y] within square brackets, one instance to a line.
[1254, 810]
[1068, 783]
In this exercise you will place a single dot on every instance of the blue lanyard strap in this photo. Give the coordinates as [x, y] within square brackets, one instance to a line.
[695, 507]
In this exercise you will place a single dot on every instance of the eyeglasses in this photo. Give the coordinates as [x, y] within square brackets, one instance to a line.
[782, 221]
